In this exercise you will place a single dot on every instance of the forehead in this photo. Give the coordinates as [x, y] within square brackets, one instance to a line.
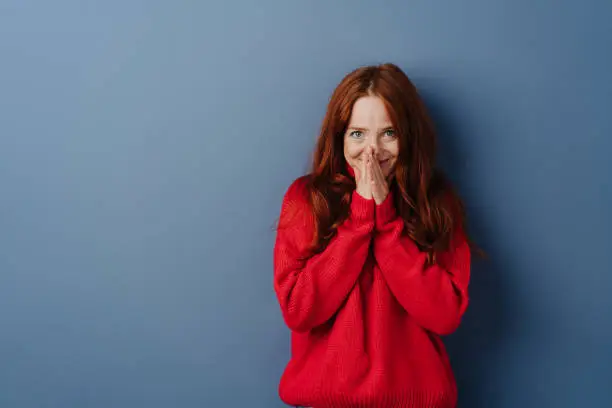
[369, 110]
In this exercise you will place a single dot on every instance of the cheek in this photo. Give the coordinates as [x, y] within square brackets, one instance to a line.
[352, 151]
[394, 150]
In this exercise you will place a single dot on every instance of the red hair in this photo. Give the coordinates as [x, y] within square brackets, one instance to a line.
[424, 198]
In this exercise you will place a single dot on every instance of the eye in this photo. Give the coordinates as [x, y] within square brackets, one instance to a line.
[356, 133]
[390, 132]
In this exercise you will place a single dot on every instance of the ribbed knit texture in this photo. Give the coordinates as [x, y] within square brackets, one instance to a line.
[367, 313]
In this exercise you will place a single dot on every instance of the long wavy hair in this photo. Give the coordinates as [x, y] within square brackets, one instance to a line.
[424, 198]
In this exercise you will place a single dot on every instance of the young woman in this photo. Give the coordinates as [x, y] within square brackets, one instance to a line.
[371, 262]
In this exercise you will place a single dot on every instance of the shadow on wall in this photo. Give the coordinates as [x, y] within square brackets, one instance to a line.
[474, 348]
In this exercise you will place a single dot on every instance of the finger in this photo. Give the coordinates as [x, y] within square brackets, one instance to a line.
[381, 182]
[375, 166]
[362, 164]
[379, 173]
[371, 163]
[374, 182]
[376, 171]
[358, 172]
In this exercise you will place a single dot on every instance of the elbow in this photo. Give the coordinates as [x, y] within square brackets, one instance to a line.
[448, 320]
[298, 313]
[446, 325]
[296, 321]
[450, 316]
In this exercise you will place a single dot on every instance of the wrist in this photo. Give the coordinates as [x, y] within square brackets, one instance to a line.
[362, 208]
[385, 211]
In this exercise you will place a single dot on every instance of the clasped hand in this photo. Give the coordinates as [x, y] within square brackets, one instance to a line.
[371, 182]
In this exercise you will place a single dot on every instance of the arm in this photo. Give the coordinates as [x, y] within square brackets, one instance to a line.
[311, 291]
[436, 296]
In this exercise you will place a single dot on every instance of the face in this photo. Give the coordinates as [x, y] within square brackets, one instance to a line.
[369, 125]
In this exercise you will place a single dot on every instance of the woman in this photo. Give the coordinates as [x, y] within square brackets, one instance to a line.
[371, 262]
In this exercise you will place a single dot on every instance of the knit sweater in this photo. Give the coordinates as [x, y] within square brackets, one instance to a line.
[367, 313]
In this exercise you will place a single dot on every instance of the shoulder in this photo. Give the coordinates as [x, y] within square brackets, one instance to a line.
[298, 192]
[296, 200]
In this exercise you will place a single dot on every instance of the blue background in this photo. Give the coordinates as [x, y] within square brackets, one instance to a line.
[145, 147]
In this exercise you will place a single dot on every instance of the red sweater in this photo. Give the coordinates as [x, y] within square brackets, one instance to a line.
[366, 314]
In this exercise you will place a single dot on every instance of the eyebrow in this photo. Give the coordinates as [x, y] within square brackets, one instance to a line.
[365, 128]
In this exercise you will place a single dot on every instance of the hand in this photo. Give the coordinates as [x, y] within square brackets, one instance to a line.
[362, 177]
[379, 186]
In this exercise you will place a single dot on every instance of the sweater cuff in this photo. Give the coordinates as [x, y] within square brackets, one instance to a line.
[385, 211]
[362, 209]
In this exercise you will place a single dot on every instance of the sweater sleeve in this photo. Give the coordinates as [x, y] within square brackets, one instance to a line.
[311, 290]
[436, 296]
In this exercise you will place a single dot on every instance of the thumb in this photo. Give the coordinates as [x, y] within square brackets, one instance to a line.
[358, 173]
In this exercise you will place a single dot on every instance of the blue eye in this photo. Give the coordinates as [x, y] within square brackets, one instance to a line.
[390, 132]
[356, 133]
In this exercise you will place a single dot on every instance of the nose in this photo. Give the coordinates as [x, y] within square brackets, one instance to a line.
[374, 144]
